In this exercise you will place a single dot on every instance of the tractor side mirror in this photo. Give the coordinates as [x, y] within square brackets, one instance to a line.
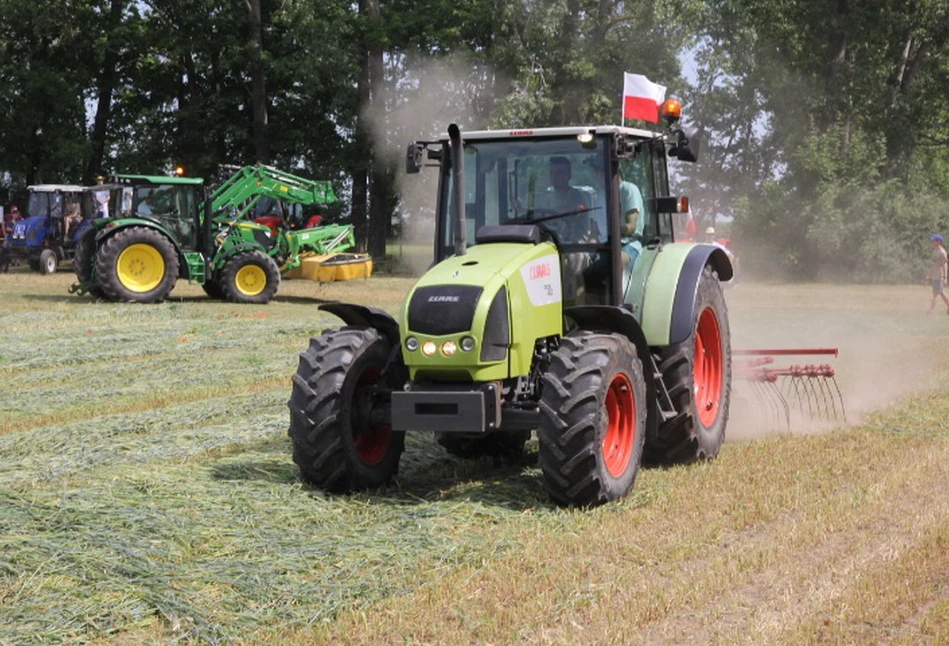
[687, 144]
[413, 158]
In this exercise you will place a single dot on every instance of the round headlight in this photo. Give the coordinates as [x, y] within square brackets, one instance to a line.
[428, 348]
[467, 344]
[449, 348]
[411, 344]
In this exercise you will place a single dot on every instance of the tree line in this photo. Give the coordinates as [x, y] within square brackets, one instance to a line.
[825, 125]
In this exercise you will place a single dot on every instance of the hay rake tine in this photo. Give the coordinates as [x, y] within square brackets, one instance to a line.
[810, 389]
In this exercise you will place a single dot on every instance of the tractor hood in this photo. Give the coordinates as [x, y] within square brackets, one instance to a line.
[29, 232]
[475, 317]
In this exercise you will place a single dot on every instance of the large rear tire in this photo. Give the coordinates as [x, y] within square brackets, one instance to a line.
[337, 443]
[138, 265]
[250, 277]
[697, 374]
[593, 420]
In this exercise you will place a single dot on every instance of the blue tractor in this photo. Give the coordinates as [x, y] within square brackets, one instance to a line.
[55, 214]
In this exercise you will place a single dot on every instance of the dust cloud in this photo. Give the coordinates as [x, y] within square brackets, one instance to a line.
[429, 95]
[885, 343]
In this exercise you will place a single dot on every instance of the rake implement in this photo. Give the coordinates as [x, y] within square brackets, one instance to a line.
[807, 392]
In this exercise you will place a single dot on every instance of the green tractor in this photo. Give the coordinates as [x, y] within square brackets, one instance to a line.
[560, 303]
[165, 228]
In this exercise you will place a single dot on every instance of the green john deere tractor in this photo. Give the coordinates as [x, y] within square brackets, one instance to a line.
[165, 228]
[560, 303]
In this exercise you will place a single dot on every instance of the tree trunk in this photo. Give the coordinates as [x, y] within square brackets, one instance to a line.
[362, 148]
[105, 87]
[258, 91]
[381, 177]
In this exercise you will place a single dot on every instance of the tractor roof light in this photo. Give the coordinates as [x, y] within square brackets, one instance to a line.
[671, 111]
[179, 171]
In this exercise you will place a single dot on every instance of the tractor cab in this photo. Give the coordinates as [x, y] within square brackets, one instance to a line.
[170, 202]
[599, 193]
[47, 208]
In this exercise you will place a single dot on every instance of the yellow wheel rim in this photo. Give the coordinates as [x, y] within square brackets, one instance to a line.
[250, 280]
[140, 268]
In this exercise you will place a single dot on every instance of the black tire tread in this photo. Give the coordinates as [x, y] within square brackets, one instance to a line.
[572, 411]
[319, 425]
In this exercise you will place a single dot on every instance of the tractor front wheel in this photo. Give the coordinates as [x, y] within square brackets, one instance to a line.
[697, 374]
[593, 420]
[342, 440]
[250, 277]
[138, 265]
[48, 261]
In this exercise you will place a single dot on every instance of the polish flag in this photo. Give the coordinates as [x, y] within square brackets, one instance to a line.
[642, 98]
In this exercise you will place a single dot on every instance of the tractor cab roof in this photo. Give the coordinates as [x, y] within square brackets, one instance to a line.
[159, 179]
[563, 131]
[55, 188]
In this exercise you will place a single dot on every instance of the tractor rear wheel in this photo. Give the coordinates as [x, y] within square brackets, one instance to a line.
[338, 442]
[697, 374]
[250, 277]
[508, 444]
[138, 265]
[593, 419]
[48, 261]
[84, 262]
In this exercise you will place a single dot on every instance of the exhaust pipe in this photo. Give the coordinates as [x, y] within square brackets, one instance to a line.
[458, 184]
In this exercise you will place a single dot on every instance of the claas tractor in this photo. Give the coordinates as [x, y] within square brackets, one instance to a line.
[560, 303]
[164, 228]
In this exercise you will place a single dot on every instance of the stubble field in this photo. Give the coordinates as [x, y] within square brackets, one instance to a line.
[147, 494]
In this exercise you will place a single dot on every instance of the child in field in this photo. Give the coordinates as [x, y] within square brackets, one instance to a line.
[937, 272]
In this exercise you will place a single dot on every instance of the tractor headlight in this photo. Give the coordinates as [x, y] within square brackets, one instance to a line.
[411, 344]
[449, 348]
[467, 344]
[429, 348]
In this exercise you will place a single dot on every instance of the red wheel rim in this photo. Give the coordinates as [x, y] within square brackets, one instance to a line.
[371, 443]
[707, 367]
[621, 425]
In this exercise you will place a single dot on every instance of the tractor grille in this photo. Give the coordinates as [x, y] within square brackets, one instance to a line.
[443, 309]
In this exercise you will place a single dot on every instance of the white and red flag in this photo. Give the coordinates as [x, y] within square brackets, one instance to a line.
[642, 98]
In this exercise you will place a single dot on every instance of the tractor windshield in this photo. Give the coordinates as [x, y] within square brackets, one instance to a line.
[46, 204]
[551, 181]
[173, 205]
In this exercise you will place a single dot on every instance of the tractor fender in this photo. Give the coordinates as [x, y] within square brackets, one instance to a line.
[366, 316]
[115, 226]
[620, 320]
[669, 299]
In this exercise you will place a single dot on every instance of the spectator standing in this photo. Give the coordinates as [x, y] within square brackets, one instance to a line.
[937, 272]
[102, 200]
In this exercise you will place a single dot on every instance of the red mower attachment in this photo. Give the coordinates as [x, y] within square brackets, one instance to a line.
[808, 391]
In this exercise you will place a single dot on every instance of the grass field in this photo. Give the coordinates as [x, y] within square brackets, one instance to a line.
[147, 495]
